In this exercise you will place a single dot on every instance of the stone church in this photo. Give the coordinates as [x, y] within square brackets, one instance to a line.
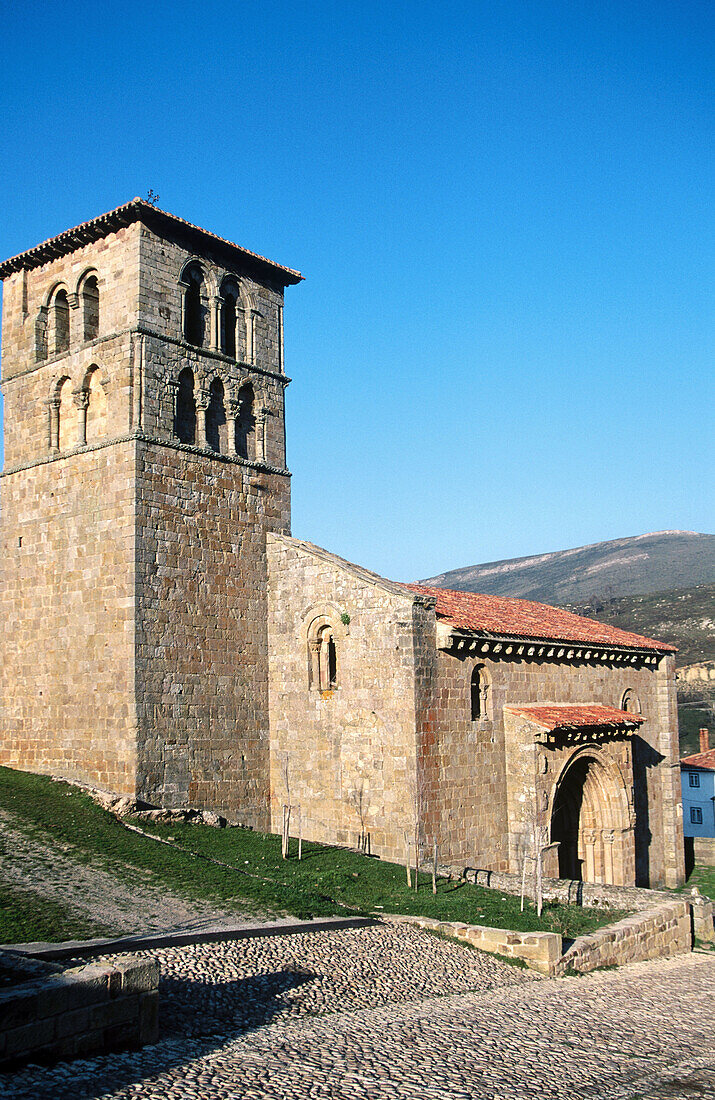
[164, 636]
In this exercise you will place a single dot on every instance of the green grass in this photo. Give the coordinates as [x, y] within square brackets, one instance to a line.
[27, 916]
[703, 877]
[327, 881]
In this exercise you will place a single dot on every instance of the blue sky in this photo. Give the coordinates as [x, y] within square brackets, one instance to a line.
[503, 212]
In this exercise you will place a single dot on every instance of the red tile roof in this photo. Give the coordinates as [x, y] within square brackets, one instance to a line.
[554, 718]
[700, 760]
[135, 210]
[525, 619]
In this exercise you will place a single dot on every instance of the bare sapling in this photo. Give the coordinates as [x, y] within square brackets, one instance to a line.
[359, 802]
[300, 834]
[408, 861]
[417, 855]
[539, 840]
[524, 860]
[286, 807]
[434, 868]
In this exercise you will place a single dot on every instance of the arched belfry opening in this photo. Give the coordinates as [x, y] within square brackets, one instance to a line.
[193, 282]
[185, 427]
[229, 317]
[90, 307]
[61, 319]
[590, 823]
[216, 417]
[246, 423]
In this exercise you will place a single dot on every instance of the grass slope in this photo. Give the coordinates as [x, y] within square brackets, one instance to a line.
[327, 881]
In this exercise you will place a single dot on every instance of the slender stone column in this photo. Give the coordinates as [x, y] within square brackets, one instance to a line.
[589, 846]
[315, 666]
[216, 309]
[54, 415]
[261, 419]
[250, 335]
[608, 838]
[183, 287]
[202, 407]
[232, 413]
[237, 337]
[81, 400]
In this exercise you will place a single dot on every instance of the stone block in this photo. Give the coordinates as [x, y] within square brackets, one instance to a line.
[18, 1006]
[19, 1040]
[149, 1017]
[138, 976]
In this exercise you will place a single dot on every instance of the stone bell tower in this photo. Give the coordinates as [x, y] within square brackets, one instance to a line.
[144, 383]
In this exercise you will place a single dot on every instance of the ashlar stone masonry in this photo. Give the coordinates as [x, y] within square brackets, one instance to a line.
[166, 637]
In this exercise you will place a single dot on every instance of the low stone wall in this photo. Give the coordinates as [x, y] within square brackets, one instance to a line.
[651, 934]
[539, 950]
[702, 909]
[704, 850]
[595, 895]
[85, 1010]
[654, 933]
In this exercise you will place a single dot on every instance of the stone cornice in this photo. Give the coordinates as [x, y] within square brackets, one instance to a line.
[144, 330]
[512, 647]
[144, 437]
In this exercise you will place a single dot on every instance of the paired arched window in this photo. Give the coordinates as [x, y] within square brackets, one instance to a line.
[322, 655]
[229, 317]
[216, 433]
[630, 702]
[77, 417]
[61, 322]
[478, 692]
[185, 426]
[194, 312]
[90, 307]
[246, 423]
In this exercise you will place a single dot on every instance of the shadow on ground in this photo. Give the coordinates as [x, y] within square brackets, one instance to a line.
[198, 1008]
[217, 1014]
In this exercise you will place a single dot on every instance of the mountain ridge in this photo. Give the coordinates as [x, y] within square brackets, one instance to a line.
[634, 565]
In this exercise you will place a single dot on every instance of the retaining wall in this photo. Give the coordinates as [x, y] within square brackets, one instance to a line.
[654, 933]
[84, 1010]
[704, 849]
[651, 934]
[539, 950]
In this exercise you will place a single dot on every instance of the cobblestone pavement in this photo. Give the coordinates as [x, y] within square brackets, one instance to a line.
[353, 1014]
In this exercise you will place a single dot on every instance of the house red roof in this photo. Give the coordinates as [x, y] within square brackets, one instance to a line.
[525, 619]
[555, 718]
[700, 760]
[135, 210]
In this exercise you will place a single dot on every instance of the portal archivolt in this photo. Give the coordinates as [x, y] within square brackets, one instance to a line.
[591, 823]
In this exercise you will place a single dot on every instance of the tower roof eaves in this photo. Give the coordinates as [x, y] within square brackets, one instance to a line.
[136, 210]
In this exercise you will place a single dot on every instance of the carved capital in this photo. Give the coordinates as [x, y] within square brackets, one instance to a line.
[81, 399]
[73, 301]
[203, 399]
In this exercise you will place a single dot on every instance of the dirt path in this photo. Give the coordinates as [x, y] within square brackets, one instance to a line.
[123, 902]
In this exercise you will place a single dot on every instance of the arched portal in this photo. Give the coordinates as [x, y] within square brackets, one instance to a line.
[590, 822]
